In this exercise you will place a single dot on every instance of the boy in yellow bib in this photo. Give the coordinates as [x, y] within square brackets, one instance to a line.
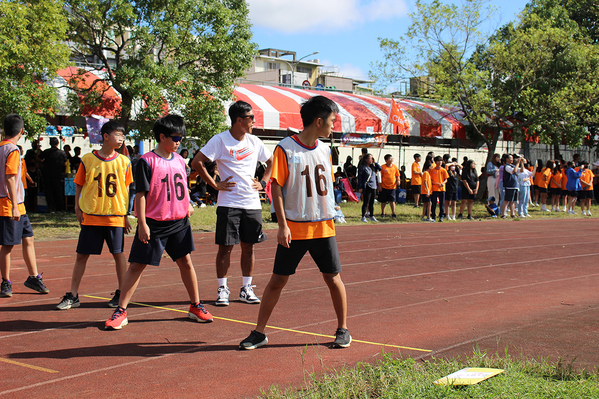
[102, 198]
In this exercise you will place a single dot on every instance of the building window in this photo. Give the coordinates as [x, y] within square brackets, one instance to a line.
[269, 66]
[305, 70]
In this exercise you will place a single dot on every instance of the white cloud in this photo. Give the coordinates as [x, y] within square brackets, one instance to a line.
[353, 71]
[300, 16]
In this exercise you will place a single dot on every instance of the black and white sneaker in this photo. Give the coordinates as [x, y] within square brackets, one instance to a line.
[114, 302]
[246, 294]
[36, 283]
[255, 340]
[68, 301]
[342, 338]
[223, 296]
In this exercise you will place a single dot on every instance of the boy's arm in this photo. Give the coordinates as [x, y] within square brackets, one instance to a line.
[284, 235]
[11, 184]
[198, 163]
[78, 211]
[142, 227]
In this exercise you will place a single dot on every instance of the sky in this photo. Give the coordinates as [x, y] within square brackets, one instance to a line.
[344, 32]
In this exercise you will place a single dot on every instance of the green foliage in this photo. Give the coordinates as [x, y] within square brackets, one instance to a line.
[538, 76]
[30, 51]
[186, 53]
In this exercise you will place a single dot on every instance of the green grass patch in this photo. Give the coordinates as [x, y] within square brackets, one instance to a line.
[407, 378]
[57, 226]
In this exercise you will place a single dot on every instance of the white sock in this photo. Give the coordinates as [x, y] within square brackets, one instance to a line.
[247, 280]
[222, 282]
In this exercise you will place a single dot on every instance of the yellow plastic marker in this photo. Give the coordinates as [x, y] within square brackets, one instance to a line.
[468, 376]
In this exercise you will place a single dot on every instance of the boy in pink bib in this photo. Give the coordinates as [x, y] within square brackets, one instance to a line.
[162, 208]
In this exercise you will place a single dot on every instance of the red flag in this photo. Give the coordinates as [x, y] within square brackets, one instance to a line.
[397, 118]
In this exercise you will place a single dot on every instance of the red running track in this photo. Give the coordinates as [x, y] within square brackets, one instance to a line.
[530, 286]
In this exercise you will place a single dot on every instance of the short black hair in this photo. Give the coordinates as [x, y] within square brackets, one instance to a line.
[112, 126]
[168, 125]
[438, 158]
[388, 156]
[13, 124]
[417, 156]
[317, 107]
[53, 141]
[238, 109]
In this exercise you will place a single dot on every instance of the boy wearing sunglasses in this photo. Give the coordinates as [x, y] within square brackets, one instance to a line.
[239, 212]
[162, 208]
[102, 198]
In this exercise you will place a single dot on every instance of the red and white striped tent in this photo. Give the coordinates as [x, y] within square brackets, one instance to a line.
[277, 108]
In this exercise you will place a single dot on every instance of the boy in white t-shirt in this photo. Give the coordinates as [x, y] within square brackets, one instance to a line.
[239, 213]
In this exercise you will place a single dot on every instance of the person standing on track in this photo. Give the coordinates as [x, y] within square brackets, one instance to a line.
[163, 209]
[239, 212]
[416, 181]
[302, 190]
[102, 199]
[15, 227]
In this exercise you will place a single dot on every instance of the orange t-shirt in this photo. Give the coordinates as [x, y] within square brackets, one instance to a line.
[557, 178]
[538, 177]
[24, 173]
[426, 185]
[389, 177]
[544, 178]
[587, 177]
[12, 168]
[564, 180]
[438, 176]
[299, 230]
[416, 179]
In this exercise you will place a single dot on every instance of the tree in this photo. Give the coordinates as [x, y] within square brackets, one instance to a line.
[30, 52]
[535, 76]
[184, 53]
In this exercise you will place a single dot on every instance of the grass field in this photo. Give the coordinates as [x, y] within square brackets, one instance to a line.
[52, 226]
[407, 378]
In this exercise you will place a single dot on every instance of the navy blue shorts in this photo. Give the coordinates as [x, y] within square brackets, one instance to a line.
[238, 225]
[387, 195]
[511, 194]
[12, 232]
[324, 251]
[176, 245]
[415, 189]
[449, 196]
[91, 239]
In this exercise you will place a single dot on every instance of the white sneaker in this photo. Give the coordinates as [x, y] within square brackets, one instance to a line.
[584, 212]
[364, 219]
[373, 219]
[246, 294]
[223, 296]
[565, 209]
[536, 204]
[589, 213]
[431, 220]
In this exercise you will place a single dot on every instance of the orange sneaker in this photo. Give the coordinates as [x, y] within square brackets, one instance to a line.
[118, 319]
[199, 313]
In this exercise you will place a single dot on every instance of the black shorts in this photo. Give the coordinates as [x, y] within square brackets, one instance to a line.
[91, 239]
[585, 194]
[12, 232]
[542, 190]
[238, 225]
[573, 194]
[556, 191]
[564, 193]
[451, 196]
[324, 251]
[467, 196]
[511, 194]
[425, 198]
[415, 189]
[176, 245]
[387, 195]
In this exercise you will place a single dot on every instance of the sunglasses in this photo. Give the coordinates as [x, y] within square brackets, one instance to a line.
[248, 116]
[176, 139]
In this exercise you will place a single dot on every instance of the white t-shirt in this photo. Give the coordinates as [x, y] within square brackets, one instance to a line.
[237, 159]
